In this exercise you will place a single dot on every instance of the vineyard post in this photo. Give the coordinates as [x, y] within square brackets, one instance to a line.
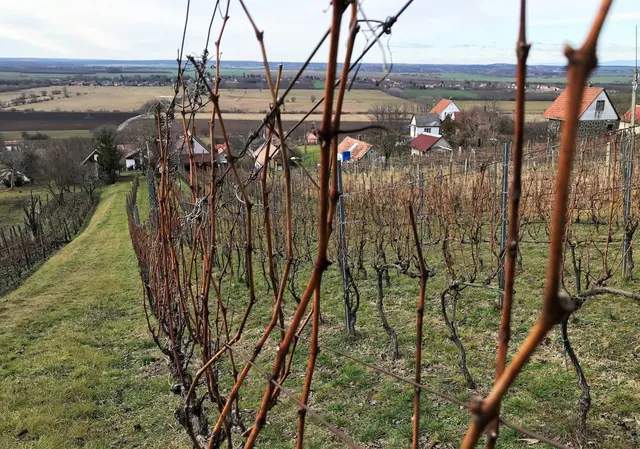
[627, 258]
[343, 250]
[495, 206]
[608, 160]
[503, 222]
[421, 203]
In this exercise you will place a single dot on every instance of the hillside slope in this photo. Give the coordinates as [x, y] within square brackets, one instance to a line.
[77, 368]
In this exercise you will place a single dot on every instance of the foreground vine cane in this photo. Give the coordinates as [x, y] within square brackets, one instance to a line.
[522, 51]
[321, 264]
[425, 273]
[581, 63]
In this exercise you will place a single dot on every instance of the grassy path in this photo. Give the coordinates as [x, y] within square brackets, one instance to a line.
[77, 368]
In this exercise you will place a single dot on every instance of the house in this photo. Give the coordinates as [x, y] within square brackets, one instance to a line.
[11, 145]
[358, 149]
[596, 115]
[426, 143]
[201, 153]
[221, 148]
[625, 120]
[312, 139]
[444, 108]
[425, 124]
[260, 155]
[131, 157]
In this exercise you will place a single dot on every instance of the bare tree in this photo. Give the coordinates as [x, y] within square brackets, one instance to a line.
[61, 165]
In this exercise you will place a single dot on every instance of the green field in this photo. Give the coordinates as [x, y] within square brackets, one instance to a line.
[598, 79]
[11, 202]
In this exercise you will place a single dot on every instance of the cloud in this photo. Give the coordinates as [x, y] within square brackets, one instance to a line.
[617, 17]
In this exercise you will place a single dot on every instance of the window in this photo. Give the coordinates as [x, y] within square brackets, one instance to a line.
[599, 105]
[427, 130]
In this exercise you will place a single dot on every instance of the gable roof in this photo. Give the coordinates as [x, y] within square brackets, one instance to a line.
[127, 150]
[431, 119]
[357, 147]
[627, 116]
[199, 147]
[441, 106]
[426, 142]
[261, 154]
[559, 108]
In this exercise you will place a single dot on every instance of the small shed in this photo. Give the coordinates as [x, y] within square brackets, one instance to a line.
[426, 143]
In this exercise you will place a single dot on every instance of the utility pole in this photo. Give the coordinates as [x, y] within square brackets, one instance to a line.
[627, 255]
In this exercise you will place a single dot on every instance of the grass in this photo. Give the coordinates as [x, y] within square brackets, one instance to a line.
[11, 202]
[126, 98]
[78, 370]
[52, 133]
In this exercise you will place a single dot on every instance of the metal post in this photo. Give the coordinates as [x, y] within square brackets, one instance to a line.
[627, 257]
[503, 226]
[343, 251]
[421, 203]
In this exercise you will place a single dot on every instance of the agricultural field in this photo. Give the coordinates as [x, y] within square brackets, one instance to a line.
[596, 79]
[52, 133]
[116, 98]
[439, 93]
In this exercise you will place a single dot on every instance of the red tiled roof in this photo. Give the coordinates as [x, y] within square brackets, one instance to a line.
[424, 142]
[442, 104]
[558, 109]
[221, 147]
[358, 148]
[627, 117]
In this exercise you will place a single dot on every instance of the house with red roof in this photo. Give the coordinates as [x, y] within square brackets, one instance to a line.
[358, 149]
[596, 114]
[425, 144]
[625, 120]
[445, 108]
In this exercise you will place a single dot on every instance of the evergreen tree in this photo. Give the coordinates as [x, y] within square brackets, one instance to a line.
[108, 155]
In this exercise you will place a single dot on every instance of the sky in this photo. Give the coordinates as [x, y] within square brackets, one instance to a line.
[429, 32]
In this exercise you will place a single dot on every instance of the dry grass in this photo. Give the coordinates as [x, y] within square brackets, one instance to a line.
[84, 98]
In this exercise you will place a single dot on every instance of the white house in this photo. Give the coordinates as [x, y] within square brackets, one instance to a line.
[597, 114]
[425, 124]
[445, 108]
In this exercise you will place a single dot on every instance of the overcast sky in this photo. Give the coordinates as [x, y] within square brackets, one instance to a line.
[453, 31]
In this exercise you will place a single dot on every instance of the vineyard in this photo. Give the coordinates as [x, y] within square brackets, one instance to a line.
[48, 225]
[395, 304]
